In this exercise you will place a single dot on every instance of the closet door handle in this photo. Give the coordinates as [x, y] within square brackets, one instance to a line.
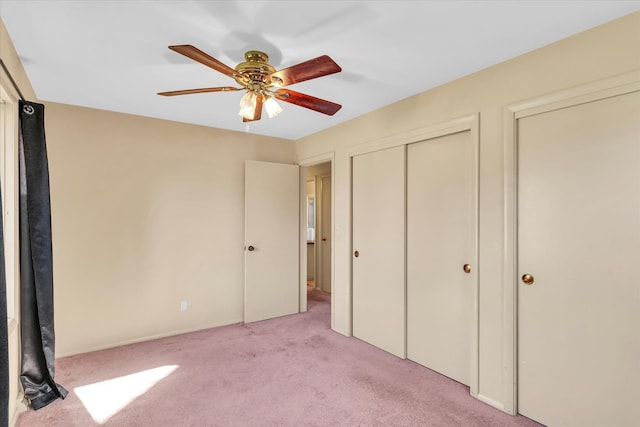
[528, 279]
[466, 268]
[356, 254]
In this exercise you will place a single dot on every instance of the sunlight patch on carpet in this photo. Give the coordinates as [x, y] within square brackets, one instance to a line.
[106, 398]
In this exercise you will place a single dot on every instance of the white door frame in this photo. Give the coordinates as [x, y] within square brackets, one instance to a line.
[614, 86]
[10, 198]
[311, 161]
[469, 123]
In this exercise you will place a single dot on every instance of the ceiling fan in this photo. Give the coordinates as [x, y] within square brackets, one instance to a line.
[262, 82]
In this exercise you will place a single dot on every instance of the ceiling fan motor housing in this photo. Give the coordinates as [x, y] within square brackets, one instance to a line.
[255, 72]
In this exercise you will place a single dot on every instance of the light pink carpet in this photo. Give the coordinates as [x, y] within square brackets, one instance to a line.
[290, 371]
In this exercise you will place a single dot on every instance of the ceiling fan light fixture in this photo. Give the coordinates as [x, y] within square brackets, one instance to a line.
[248, 104]
[272, 107]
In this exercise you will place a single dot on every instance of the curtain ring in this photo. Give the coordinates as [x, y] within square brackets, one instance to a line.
[28, 109]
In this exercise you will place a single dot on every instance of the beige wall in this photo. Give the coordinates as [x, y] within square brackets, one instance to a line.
[319, 170]
[146, 213]
[605, 51]
[10, 200]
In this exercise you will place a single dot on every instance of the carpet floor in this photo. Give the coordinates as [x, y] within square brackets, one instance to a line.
[289, 371]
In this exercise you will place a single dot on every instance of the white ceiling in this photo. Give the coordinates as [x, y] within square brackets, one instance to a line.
[113, 55]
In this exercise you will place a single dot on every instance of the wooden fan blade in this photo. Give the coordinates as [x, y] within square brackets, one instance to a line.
[198, 55]
[307, 101]
[311, 69]
[258, 111]
[201, 90]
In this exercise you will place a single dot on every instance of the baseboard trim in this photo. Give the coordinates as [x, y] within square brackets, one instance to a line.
[142, 339]
[18, 408]
[494, 403]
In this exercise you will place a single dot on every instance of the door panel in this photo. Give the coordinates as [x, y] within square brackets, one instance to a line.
[271, 240]
[441, 230]
[378, 236]
[579, 237]
[325, 240]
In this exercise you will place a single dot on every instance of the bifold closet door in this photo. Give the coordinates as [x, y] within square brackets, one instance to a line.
[578, 256]
[379, 248]
[441, 242]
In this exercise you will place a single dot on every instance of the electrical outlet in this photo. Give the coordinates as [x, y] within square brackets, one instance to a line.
[183, 305]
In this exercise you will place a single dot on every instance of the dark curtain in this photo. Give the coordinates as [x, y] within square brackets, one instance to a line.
[4, 345]
[36, 263]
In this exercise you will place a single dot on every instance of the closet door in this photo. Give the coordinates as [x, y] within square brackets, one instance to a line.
[379, 249]
[578, 252]
[441, 254]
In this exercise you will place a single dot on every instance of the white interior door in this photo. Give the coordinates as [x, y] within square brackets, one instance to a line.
[378, 244]
[325, 238]
[579, 239]
[271, 240]
[441, 240]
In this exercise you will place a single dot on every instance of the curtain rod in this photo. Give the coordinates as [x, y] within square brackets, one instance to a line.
[13, 82]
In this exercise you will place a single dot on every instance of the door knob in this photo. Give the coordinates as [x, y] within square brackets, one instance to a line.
[466, 268]
[356, 254]
[251, 249]
[528, 279]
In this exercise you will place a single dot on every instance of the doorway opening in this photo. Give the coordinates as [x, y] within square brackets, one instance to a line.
[319, 234]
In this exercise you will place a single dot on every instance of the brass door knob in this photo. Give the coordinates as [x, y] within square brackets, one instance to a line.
[528, 279]
[467, 268]
[356, 254]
